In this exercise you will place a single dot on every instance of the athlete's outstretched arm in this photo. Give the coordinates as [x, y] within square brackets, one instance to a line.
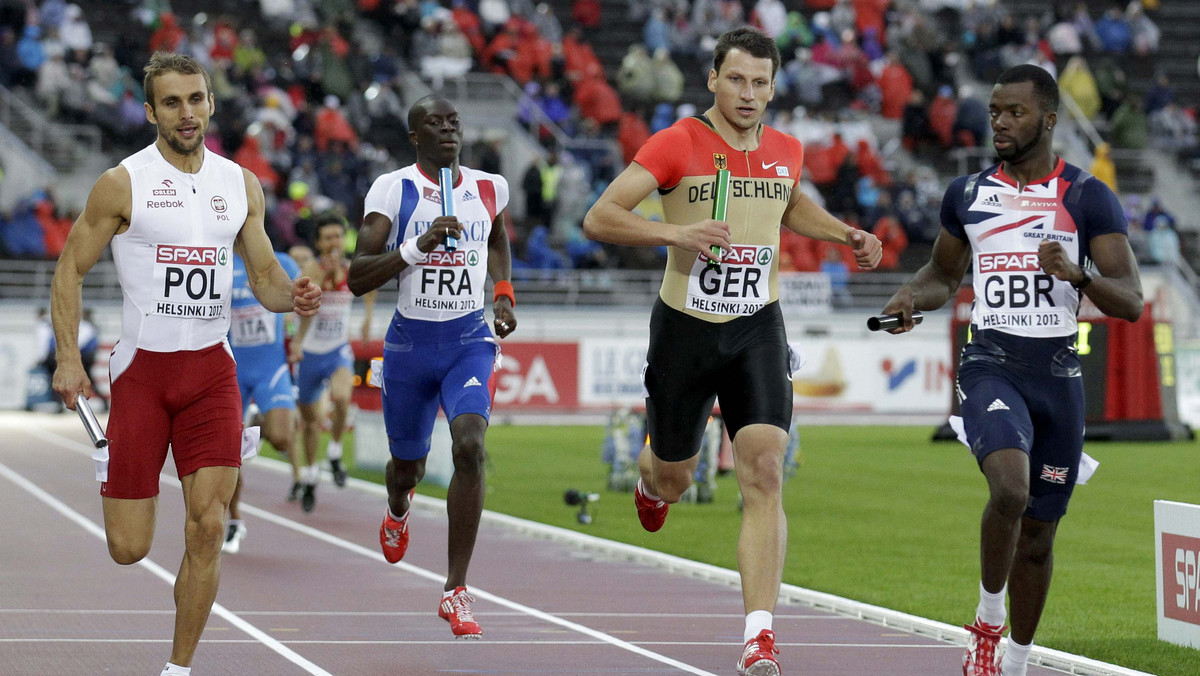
[935, 283]
[808, 218]
[611, 219]
[107, 209]
[268, 280]
[500, 270]
[1119, 292]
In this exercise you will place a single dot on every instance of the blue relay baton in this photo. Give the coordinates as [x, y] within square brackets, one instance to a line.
[446, 183]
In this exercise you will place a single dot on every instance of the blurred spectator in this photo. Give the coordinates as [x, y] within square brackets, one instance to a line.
[1113, 32]
[1112, 85]
[597, 101]
[771, 16]
[331, 124]
[1156, 215]
[1064, 38]
[168, 36]
[541, 188]
[30, 52]
[668, 79]
[1128, 128]
[631, 134]
[891, 235]
[1103, 167]
[635, 77]
[839, 277]
[1173, 128]
[869, 163]
[250, 156]
[1163, 241]
[1144, 35]
[655, 32]
[942, 112]
[540, 254]
[493, 14]
[546, 23]
[896, 86]
[586, 13]
[972, 123]
[53, 80]
[1077, 82]
[75, 32]
[795, 34]
[1159, 94]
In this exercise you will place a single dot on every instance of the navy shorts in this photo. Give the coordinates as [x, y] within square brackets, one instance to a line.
[315, 370]
[427, 364]
[1026, 393]
[692, 362]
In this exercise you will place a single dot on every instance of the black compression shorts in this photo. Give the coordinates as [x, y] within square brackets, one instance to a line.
[691, 362]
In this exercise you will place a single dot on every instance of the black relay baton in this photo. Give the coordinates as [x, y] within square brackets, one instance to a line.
[94, 430]
[889, 322]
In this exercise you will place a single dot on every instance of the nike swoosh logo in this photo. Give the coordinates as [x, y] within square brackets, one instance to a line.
[768, 166]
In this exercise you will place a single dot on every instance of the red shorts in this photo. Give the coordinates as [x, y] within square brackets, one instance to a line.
[188, 400]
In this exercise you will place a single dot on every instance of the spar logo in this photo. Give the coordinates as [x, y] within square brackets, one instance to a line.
[191, 255]
[1181, 577]
[1017, 261]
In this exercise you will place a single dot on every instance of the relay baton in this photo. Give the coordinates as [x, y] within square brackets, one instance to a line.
[719, 211]
[94, 430]
[889, 322]
[446, 183]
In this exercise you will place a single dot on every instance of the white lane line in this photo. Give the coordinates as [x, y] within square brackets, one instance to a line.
[161, 573]
[478, 593]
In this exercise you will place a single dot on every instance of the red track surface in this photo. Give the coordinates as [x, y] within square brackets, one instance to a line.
[311, 593]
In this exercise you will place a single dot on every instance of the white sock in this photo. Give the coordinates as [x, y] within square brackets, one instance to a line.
[175, 670]
[334, 450]
[399, 519]
[991, 608]
[235, 522]
[448, 594]
[756, 621]
[648, 494]
[1016, 659]
[312, 475]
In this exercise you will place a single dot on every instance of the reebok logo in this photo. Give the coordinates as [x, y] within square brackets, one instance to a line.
[992, 200]
[473, 382]
[998, 406]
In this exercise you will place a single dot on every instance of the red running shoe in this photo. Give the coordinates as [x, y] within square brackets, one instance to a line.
[652, 513]
[981, 658]
[393, 534]
[758, 657]
[456, 609]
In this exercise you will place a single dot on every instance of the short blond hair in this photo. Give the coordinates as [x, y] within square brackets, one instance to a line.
[162, 63]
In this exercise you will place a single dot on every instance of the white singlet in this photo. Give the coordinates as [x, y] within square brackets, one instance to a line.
[446, 285]
[175, 261]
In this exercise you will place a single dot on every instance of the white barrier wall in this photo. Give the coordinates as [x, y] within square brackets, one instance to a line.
[1177, 571]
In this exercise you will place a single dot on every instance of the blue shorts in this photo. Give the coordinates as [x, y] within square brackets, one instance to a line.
[427, 364]
[1026, 393]
[268, 389]
[317, 368]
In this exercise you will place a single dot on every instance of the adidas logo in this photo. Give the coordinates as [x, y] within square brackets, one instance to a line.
[468, 195]
[996, 406]
[474, 382]
[992, 200]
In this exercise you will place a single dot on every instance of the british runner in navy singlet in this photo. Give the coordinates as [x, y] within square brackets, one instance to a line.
[1034, 228]
[174, 214]
[438, 349]
[718, 333]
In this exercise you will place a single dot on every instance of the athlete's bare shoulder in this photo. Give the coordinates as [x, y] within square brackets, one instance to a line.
[112, 195]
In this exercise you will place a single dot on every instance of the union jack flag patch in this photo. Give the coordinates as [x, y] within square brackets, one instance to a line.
[1055, 475]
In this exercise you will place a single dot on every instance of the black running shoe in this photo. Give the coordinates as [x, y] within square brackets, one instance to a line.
[309, 499]
[339, 473]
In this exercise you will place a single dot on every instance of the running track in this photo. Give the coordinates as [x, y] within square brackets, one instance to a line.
[312, 594]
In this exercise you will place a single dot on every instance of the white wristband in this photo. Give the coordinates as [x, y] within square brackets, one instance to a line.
[410, 253]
